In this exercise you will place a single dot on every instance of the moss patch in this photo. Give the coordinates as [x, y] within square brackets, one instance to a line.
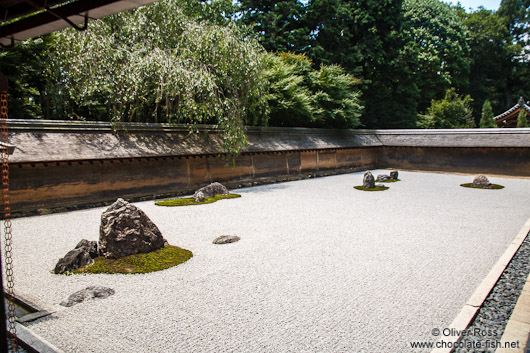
[377, 188]
[188, 201]
[492, 187]
[159, 260]
[390, 181]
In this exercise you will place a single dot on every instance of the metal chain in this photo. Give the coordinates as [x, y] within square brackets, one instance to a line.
[10, 285]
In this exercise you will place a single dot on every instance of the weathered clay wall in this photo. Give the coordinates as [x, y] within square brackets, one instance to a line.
[66, 184]
[63, 164]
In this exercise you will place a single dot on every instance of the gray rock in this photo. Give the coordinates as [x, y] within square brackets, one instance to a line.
[90, 246]
[368, 180]
[481, 181]
[383, 177]
[83, 254]
[210, 191]
[394, 174]
[126, 230]
[225, 239]
[88, 293]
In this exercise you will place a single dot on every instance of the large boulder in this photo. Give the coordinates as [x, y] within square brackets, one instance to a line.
[481, 181]
[126, 230]
[368, 180]
[83, 254]
[88, 293]
[394, 174]
[210, 191]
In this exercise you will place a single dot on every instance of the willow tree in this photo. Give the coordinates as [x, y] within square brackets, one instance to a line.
[156, 64]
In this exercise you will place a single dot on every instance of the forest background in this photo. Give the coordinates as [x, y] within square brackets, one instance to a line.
[318, 63]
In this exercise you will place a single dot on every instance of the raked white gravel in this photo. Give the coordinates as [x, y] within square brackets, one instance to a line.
[320, 267]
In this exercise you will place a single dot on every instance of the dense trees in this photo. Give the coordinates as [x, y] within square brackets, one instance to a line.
[449, 113]
[314, 63]
[487, 115]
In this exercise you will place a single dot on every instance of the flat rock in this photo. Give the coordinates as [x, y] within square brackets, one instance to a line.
[210, 191]
[126, 230]
[91, 292]
[226, 239]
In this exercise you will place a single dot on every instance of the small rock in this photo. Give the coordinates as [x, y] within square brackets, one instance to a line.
[481, 181]
[394, 174]
[84, 254]
[126, 230]
[88, 293]
[226, 239]
[210, 191]
[383, 177]
[368, 180]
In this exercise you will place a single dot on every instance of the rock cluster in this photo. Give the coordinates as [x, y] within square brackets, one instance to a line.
[126, 230]
[83, 254]
[383, 177]
[481, 181]
[368, 180]
[88, 293]
[210, 191]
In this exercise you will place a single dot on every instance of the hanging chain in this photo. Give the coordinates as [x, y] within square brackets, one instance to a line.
[10, 285]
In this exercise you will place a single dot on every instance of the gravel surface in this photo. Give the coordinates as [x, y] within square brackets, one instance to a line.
[491, 320]
[320, 267]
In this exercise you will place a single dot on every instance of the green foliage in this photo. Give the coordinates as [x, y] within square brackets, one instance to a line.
[289, 98]
[24, 67]
[279, 25]
[487, 115]
[448, 113]
[304, 97]
[438, 41]
[160, 64]
[189, 201]
[365, 38]
[492, 64]
[522, 120]
[158, 260]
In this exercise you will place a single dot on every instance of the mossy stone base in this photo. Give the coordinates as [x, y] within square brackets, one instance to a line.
[158, 260]
[189, 201]
[491, 187]
[377, 188]
[390, 181]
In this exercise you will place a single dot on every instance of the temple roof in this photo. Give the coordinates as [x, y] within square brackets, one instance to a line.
[23, 19]
[509, 117]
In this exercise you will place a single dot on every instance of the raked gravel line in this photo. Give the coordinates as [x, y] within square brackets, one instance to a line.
[320, 267]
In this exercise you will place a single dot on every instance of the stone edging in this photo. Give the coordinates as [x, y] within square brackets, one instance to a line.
[473, 304]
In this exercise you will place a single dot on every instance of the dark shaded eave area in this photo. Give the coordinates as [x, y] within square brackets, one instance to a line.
[22, 20]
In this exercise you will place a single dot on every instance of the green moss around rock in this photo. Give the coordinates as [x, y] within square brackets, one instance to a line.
[377, 188]
[159, 260]
[188, 201]
[391, 180]
[492, 187]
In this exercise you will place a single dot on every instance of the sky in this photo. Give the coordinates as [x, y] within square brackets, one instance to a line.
[475, 4]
